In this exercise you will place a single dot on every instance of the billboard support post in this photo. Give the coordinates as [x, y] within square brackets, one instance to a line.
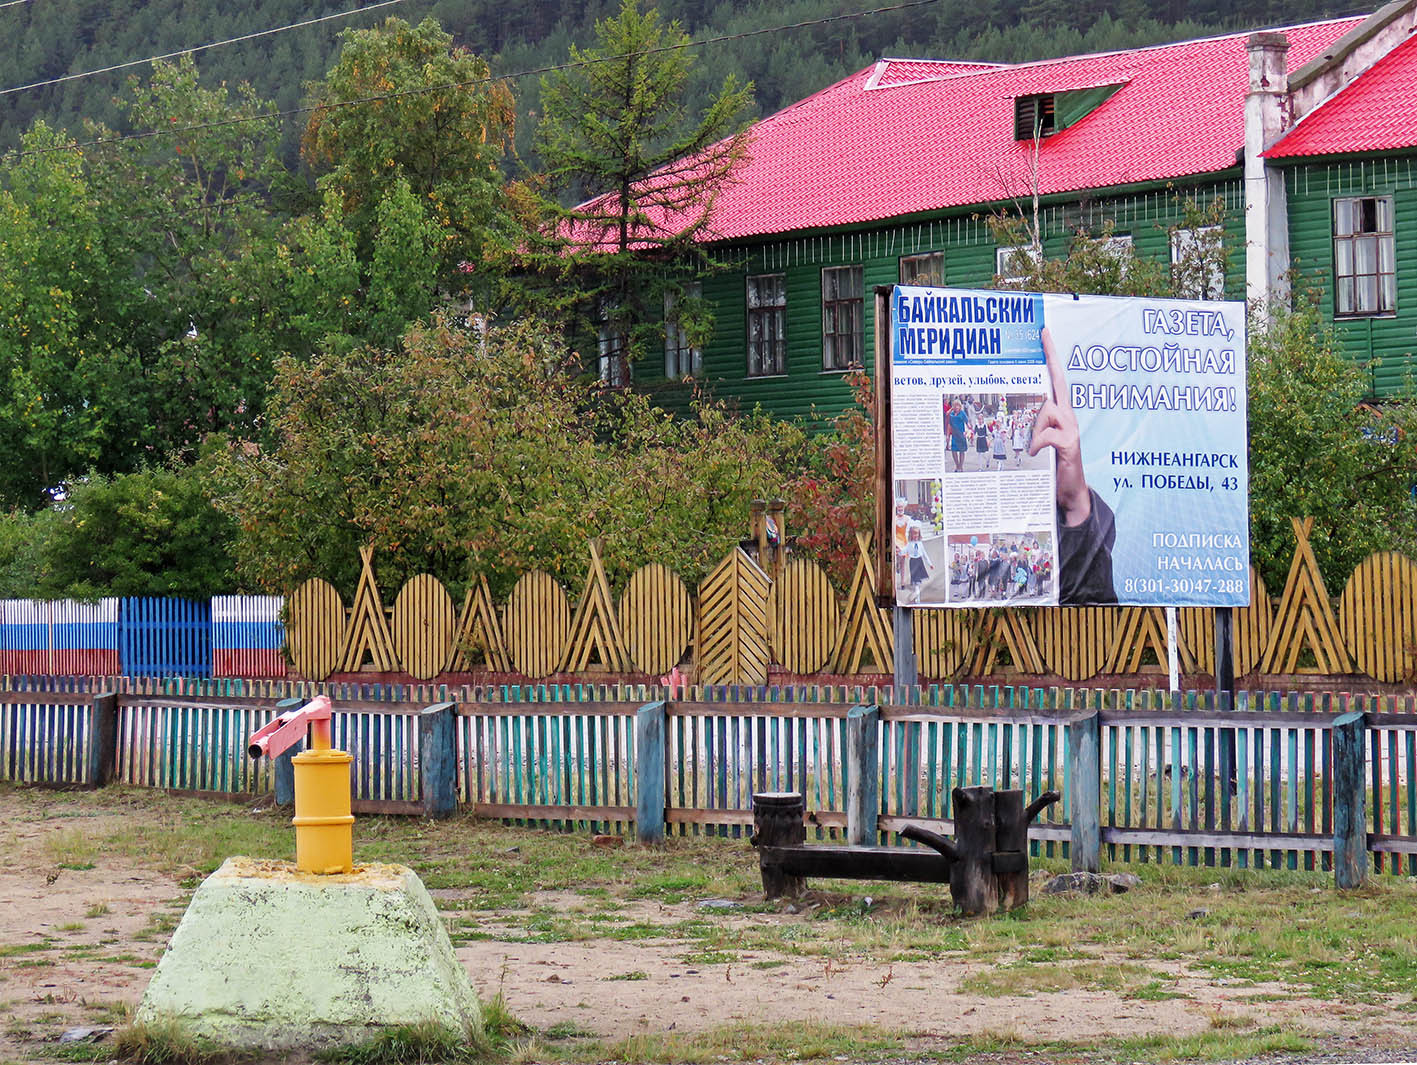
[1224, 653]
[881, 352]
[904, 672]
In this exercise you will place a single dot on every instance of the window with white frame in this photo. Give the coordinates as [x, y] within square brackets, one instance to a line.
[1364, 268]
[1012, 264]
[926, 269]
[1119, 245]
[1198, 263]
[681, 358]
[841, 317]
[612, 349]
[767, 325]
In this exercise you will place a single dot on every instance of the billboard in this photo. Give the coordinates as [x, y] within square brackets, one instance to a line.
[1052, 449]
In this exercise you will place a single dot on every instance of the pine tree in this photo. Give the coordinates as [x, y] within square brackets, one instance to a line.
[616, 128]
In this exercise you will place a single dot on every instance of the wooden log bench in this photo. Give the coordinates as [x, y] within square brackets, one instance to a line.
[986, 865]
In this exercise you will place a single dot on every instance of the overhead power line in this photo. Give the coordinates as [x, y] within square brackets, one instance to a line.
[196, 48]
[14, 3]
[269, 116]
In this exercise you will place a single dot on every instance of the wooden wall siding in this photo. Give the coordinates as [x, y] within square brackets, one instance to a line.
[595, 628]
[805, 619]
[423, 627]
[928, 750]
[733, 623]
[1253, 628]
[656, 616]
[1151, 211]
[1305, 617]
[316, 629]
[1392, 763]
[383, 739]
[1377, 614]
[165, 637]
[479, 633]
[1311, 191]
[1140, 643]
[968, 246]
[537, 624]
[1182, 778]
[721, 749]
[248, 636]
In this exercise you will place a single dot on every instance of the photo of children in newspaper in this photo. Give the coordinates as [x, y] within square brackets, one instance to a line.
[992, 432]
[918, 541]
[992, 567]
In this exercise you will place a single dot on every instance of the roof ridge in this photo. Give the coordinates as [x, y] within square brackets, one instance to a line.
[1238, 34]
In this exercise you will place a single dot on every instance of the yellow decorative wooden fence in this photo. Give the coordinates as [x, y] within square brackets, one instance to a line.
[747, 623]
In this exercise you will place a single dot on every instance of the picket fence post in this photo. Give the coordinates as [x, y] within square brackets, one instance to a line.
[1085, 773]
[103, 741]
[1350, 805]
[862, 770]
[650, 798]
[284, 768]
[438, 753]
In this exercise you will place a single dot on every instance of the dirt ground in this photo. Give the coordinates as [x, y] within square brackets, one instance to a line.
[112, 921]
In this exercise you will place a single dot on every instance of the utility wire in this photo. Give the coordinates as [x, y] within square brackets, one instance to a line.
[13, 3]
[491, 79]
[197, 48]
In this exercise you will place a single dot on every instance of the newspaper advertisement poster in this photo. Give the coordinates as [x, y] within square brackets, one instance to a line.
[1052, 449]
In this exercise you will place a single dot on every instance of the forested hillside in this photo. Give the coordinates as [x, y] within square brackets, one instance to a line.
[46, 39]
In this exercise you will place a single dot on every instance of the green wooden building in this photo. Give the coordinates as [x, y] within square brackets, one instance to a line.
[1304, 137]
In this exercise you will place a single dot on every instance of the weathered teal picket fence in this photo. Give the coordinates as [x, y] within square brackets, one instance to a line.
[1175, 776]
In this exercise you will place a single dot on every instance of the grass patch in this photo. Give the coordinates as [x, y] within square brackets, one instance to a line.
[567, 1030]
[79, 1052]
[420, 1044]
[799, 1041]
[710, 957]
[634, 974]
[69, 926]
[166, 1042]
[1276, 932]
[1024, 978]
[1154, 991]
[15, 950]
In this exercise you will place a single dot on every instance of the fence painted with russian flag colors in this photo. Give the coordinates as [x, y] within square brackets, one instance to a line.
[59, 637]
[229, 636]
[247, 636]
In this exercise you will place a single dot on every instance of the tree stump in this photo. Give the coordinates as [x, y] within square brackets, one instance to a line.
[989, 853]
[777, 822]
[972, 875]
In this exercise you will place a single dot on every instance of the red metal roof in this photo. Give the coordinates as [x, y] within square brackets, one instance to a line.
[1377, 111]
[909, 136]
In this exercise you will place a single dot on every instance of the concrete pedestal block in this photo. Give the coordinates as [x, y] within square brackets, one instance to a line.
[267, 957]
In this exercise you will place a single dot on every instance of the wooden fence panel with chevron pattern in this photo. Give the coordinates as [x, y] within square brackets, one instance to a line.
[746, 625]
